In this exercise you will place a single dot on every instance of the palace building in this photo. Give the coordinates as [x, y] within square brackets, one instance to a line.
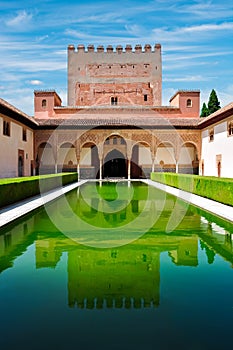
[114, 124]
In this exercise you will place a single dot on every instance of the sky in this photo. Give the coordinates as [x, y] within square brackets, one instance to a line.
[196, 38]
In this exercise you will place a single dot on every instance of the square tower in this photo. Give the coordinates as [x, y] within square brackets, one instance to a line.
[123, 77]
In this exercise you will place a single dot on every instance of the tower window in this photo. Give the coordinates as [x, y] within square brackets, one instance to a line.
[6, 128]
[44, 103]
[189, 103]
[145, 98]
[113, 101]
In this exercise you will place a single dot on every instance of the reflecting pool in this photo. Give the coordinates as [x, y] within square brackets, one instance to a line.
[116, 266]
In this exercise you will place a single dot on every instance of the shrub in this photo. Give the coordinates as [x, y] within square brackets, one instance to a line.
[16, 189]
[218, 189]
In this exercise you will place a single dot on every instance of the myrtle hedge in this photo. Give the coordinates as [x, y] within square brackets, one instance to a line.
[16, 189]
[215, 188]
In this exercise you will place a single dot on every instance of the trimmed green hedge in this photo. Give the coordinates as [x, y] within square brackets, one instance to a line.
[16, 189]
[218, 189]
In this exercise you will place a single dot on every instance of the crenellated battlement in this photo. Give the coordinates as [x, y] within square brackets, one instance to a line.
[101, 75]
[118, 49]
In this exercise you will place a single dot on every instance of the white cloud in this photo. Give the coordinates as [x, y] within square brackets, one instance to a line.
[208, 27]
[190, 33]
[42, 38]
[207, 9]
[191, 56]
[134, 29]
[35, 82]
[21, 19]
[32, 64]
[186, 78]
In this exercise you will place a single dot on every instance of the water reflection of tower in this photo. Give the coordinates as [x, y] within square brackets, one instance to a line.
[113, 278]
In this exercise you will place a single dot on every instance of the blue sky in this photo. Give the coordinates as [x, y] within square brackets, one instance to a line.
[196, 39]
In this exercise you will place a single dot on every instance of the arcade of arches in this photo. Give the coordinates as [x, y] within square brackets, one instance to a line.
[117, 153]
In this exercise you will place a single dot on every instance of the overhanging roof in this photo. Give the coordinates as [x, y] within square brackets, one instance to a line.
[8, 110]
[90, 121]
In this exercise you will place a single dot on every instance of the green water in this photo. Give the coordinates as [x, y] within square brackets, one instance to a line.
[116, 267]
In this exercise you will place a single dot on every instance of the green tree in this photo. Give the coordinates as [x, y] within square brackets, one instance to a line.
[213, 104]
[204, 111]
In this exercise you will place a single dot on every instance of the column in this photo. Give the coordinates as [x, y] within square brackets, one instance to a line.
[101, 164]
[78, 157]
[129, 168]
[55, 152]
[78, 169]
[129, 157]
[153, 165]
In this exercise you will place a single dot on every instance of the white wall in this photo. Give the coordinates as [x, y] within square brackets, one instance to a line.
[144, 156]
[187, 155]
[85, 157]
[65, 155]
[9, 146]
[166, 154]
[46, 156]
[222, 145]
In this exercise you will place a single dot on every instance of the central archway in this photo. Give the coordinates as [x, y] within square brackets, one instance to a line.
[115, 165]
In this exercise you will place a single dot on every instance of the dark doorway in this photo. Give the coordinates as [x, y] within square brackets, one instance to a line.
[136, 170]
[115, 165]
[20, 163]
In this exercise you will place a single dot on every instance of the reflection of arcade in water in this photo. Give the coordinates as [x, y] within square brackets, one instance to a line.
[124, 277]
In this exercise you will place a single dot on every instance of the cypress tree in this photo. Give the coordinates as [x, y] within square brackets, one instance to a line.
[213, 104]
[204, 111]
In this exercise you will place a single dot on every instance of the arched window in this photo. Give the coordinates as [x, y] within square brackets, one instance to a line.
[211, 135]
[44, 103]
[230, 129]
[189, 103]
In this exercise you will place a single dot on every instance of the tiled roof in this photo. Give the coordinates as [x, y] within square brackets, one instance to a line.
[14, 113]
[219, 115]
[120, 121]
